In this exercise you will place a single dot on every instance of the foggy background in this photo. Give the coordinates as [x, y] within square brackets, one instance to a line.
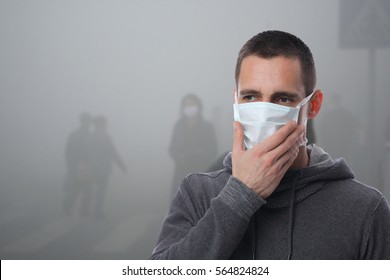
[133, 61]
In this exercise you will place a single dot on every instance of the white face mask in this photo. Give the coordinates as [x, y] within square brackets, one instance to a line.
[262, 119]
[190, 111]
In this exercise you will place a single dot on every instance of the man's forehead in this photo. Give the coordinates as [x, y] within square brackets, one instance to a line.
[276, 74]
[280, 60]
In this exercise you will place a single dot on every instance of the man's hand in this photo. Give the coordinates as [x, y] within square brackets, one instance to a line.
[262, 167]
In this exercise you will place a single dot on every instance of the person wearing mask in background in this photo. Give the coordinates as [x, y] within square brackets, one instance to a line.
[193, 146]
[277, 197]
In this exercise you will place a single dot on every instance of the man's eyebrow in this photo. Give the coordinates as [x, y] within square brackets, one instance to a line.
[285, 93]
[250, 91]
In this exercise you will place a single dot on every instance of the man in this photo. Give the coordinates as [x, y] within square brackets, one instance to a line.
[276, 198]
[78, 181]
[103, 155]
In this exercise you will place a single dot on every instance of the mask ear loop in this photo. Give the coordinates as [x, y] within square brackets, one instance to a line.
[305, 100]
[236, 111]
[301, 104]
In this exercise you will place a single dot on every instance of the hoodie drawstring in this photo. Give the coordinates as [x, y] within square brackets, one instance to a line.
[291, 216]
[252, 223]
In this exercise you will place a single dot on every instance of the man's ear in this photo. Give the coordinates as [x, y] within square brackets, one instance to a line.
[315, 104]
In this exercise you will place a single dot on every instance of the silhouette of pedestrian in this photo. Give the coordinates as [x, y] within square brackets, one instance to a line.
[193, 145]
[103, 156]
[78, 178]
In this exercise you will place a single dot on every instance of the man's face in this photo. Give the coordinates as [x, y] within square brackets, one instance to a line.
[276, 80]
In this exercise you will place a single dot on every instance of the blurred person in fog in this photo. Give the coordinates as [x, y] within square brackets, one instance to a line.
[103, 156]
[342, 135]
[193, 145]
[342, 127]
[310, 134]
[78, 180]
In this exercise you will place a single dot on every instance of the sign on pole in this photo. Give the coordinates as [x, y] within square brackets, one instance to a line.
[364, 24]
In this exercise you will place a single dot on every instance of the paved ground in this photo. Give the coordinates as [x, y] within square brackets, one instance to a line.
[41, 230]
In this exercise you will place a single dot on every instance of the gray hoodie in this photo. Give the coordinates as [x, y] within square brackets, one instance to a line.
[319, 212]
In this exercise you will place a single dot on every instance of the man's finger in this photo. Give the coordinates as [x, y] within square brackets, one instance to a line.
[238, 138]
[294, 139]
[278, 137]
[288, 157]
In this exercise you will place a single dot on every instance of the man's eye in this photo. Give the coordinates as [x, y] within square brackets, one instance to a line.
[285, 100]
[249, 98]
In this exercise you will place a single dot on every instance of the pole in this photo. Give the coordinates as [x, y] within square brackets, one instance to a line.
[374, 166]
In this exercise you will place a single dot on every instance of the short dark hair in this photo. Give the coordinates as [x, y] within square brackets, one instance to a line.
[269, 44]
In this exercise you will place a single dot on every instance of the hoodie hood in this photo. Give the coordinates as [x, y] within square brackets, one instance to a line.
[307, 181]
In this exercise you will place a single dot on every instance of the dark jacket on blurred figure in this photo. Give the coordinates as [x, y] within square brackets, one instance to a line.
[193, 148]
